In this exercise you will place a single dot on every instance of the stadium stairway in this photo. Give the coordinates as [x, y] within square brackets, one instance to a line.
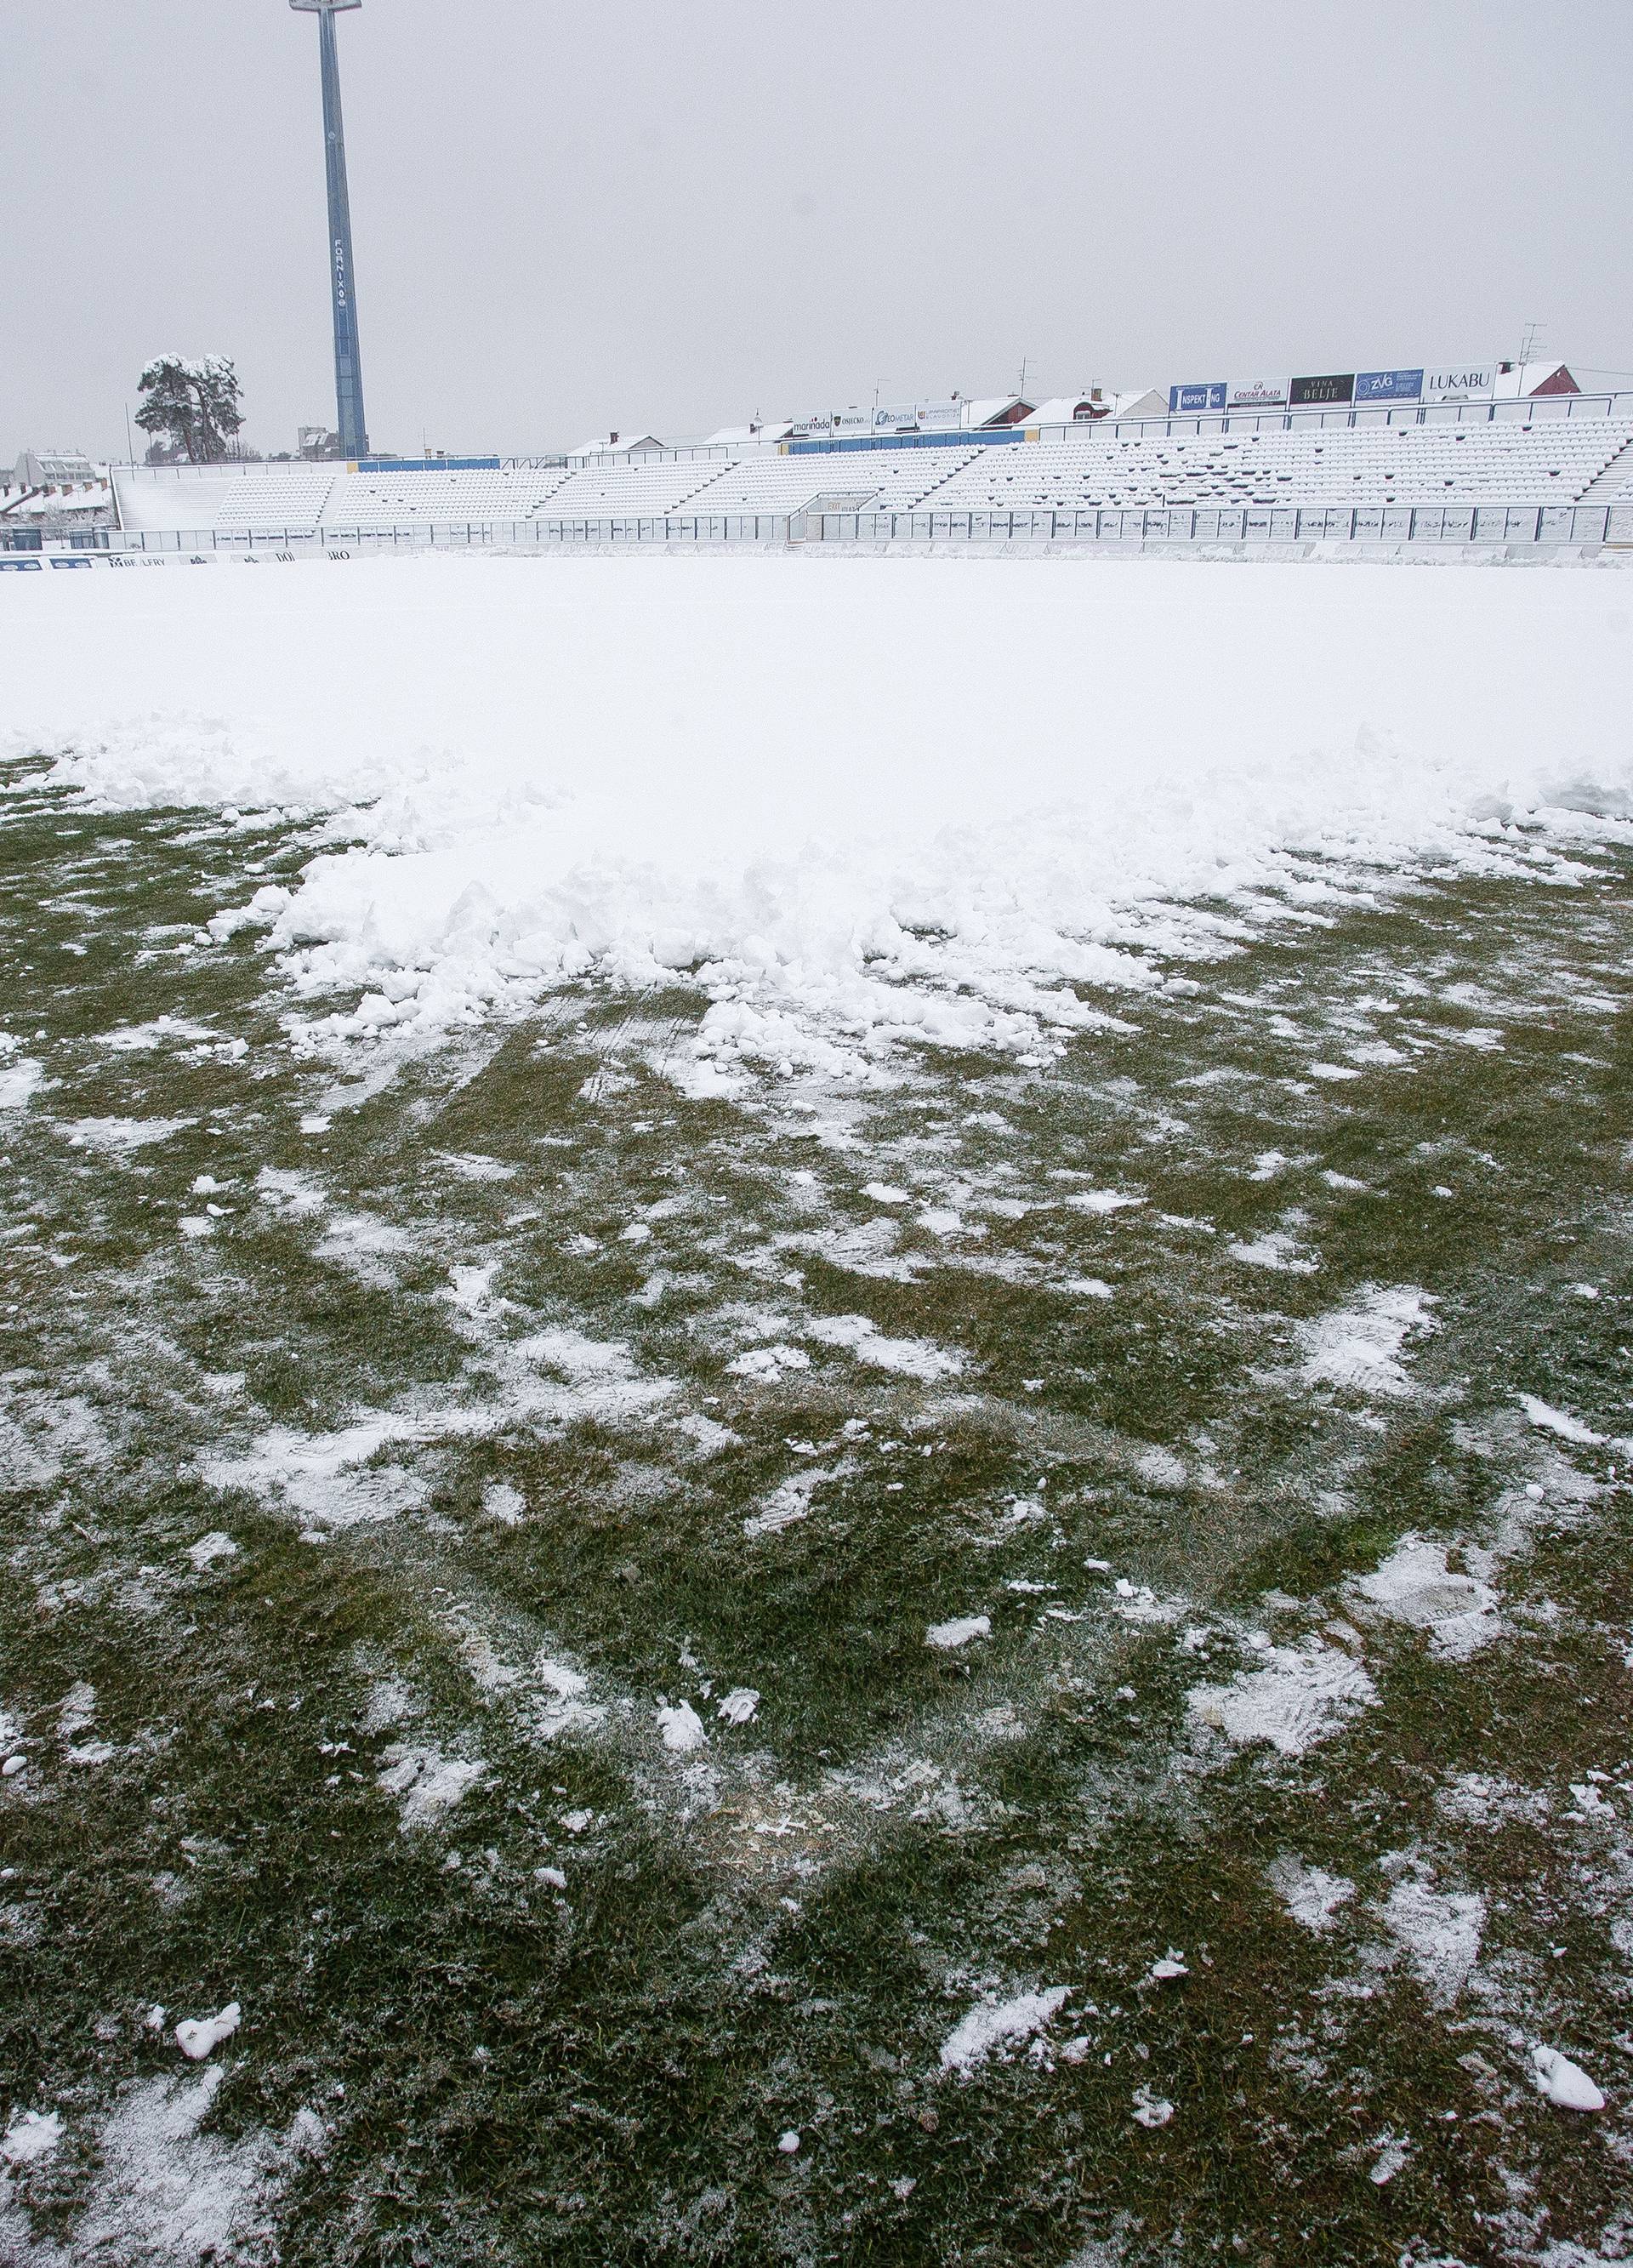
[1613, 479]
[950, 476]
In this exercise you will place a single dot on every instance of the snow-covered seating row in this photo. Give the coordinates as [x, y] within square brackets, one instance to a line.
[893, 480]
[410, 499]
[1552, 463]
[294, 499]
[650, 487]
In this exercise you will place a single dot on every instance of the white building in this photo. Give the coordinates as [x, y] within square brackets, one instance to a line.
[1088, 406]
[56, 468]
[615, 444]
[54, 492]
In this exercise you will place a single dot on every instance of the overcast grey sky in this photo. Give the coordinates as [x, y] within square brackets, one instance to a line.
[670, 216]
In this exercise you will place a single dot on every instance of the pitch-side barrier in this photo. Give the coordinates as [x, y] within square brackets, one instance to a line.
[1511, 530]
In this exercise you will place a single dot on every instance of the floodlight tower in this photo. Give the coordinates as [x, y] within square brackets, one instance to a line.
[350, 423]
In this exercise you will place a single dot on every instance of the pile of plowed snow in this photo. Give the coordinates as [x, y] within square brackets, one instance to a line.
[859, 799]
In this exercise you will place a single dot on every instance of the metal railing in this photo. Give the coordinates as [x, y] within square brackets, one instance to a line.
[1505, 525]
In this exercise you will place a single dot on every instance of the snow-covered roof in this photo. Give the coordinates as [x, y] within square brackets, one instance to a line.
[996, 410]
[1523, 379]
[616, 445]
[734, 436]
[1063, 408]
[1142, 401]
[57, 506]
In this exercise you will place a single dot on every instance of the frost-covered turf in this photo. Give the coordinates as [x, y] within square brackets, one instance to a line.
[988, 1667]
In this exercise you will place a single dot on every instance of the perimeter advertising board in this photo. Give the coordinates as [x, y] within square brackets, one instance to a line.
[1258, 393]
[1209, 393]
[1464, 382]
[918, 417]
[835, 420]
[1336, 388]
[1389, 385]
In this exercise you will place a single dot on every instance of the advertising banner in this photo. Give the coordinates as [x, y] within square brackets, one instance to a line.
[1258, 393]
[1310, 393]
[1464, 382]
[916, 416]
[1389, 385]
[835, 420]
[1209, 395]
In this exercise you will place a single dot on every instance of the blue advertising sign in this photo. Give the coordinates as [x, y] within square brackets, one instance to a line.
[1389, 385]
[1208, 395]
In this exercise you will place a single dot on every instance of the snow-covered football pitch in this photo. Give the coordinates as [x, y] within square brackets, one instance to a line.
[814, 1409]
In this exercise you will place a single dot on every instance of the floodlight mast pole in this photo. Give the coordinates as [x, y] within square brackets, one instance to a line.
[350, 423]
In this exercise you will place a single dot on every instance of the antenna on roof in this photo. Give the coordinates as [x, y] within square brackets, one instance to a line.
[1528, 344]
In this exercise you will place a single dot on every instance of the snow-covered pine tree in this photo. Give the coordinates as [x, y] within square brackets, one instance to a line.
[218, 387]
[192, 406]
[169, 410]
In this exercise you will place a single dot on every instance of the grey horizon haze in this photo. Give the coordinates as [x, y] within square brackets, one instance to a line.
[673, 220]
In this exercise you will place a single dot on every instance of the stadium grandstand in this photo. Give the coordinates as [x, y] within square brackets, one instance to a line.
[1545, 464]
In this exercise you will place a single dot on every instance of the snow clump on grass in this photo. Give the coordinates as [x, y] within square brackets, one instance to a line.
[1439, 1932]
[30, 2134]
[681, 1727]
[216, 1545]
[1543, 1415]
[911, 1358]
[768, 1364]
[949, 1635]
[1359, 1345]
[198, 2037]
[1562, 2081]
[429, 1782]
[17, 1081]
[997, 2027]
[1414, 1585]
[1298, 1696]
[1310, 1894]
